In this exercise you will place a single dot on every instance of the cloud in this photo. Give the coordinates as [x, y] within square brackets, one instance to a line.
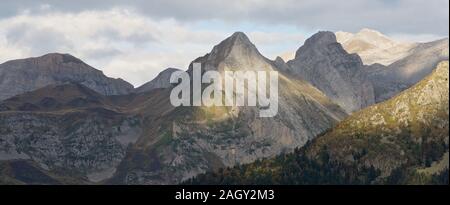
[135, 40]
[119, 41]
[388, 16]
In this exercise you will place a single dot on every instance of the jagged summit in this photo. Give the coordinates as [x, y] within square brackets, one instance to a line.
[318, 41]
[239, 35]
[235, 40]
[324, 63]
[320, 38]
[236, 51]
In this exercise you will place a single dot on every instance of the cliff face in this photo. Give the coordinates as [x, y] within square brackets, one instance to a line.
[341, 76]
[19, 76]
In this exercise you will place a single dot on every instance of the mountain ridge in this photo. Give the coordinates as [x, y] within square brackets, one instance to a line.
[22, 75]
[140, 138]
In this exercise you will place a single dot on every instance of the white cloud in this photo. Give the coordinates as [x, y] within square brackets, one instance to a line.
[388, 16]
[135, 40]
[118, 41]
[121, 42]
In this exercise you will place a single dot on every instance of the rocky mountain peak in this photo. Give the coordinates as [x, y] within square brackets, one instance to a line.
[22, 75]
[325, 64]
[235, 41]
[322, 42]
[161, 81]
[323, 45]
[60, 58]
[240, 36]
[236, 49]
[320, 39]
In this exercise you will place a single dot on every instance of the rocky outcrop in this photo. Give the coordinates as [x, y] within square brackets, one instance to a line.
[19, 76]
[341, 76]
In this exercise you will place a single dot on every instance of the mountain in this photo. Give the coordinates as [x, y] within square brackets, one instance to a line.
[185, 141]
[19, 76]
[161, 81]
[393, 66]
[404, 73]
[341, 76]
[422, 60]
[69, 133]
[374, 47]
[403, 140]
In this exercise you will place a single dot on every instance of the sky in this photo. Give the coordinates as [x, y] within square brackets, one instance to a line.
[135, 40]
